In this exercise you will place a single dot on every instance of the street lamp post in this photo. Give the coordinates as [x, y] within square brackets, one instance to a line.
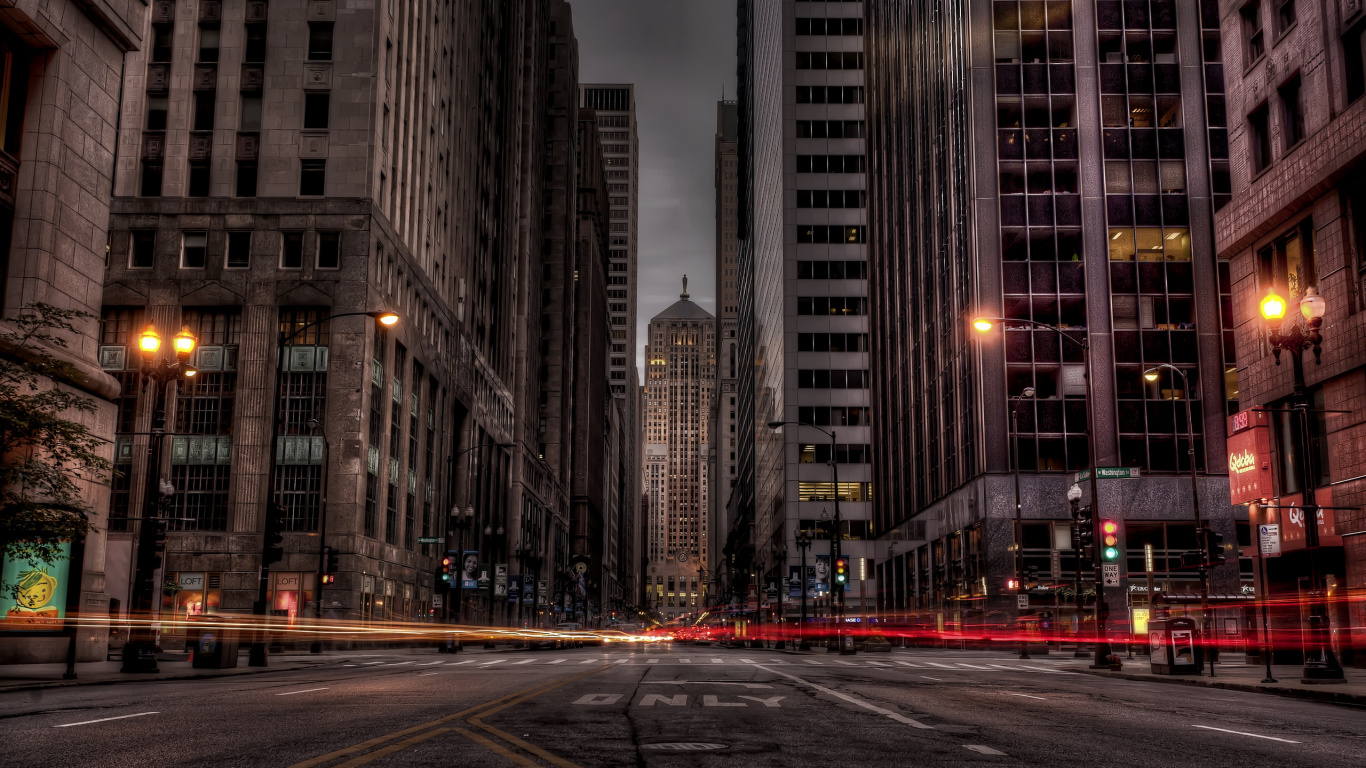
[1152, 375]
[803, 544]
[1026, 394]
[836, 546]
[1074, 501]
[988, 324]
[258, 656]
[1320, 663]
[139, 653]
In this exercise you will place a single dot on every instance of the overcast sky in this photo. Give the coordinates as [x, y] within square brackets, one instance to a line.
[679, 55]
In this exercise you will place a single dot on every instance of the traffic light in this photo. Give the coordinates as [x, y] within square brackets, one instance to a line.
[446, 567]
[841, 570]
[151, 543]
[1214, 547]
[332, 557]
[1111, 541]
[1086, 527]
[330, 566]
[1032, 576]
[273, 550]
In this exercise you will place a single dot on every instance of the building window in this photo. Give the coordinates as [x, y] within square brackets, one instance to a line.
[1259, 139]
[1285, 15]
[255, 49]
[157, 107]
[315, 110]
[319, 41]
[163, 36]
[246, 178]
[1254, 42]
[329, 250]
[142, 252]
[193, 248]
[201, 496]
[1292, 112]
[208, 45]
[251, 114]
[312, 177]
[292, 252]
[1287, 265]
[199, 178]
[150, 185]
[1354, 56]
[203, 111]
[239, 250]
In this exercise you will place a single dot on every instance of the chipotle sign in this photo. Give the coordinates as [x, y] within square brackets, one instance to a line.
[1249, 457]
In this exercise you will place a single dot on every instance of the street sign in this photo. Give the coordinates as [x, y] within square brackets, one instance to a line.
[1270, 538]
[1109, 573]
[1022, 601]
[436, 601]
[1108, 473]
[428, 539]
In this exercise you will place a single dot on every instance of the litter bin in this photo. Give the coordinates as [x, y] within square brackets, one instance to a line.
[1173, 647]
[216, 649]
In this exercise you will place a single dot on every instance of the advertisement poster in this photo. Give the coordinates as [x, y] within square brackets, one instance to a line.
[540, 592]
[485, 583]
[469, 570]
[528, 588]
[34, 596]
[514, 590]
[500, 580]
[822, 574]
[794, 581]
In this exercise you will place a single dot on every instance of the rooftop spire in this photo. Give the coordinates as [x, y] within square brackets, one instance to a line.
[684, 295]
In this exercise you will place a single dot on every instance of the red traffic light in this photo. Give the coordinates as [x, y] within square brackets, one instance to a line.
[445, 561]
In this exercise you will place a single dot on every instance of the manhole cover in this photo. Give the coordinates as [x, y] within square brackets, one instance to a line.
[684, 746]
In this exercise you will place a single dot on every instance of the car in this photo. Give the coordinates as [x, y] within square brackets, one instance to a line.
[571, 627]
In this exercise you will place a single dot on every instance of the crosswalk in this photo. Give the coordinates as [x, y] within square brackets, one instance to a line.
[925, 665]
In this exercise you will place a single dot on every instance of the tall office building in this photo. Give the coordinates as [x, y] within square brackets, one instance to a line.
[804, 227]
[723, 408]
[615, 106]
[1062, 170]
[277, 167]
[680, 356]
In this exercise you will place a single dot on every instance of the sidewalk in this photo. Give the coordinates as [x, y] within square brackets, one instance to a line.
[1241, 677]
[177, 666]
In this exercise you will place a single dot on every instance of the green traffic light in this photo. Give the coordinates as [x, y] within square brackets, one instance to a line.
[1111, 553]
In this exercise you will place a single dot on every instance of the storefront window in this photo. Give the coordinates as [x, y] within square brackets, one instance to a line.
[189, 595]
[291, 593]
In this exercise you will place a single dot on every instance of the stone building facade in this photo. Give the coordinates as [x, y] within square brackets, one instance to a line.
[1295, 77]
[60, 67]
[282, 162]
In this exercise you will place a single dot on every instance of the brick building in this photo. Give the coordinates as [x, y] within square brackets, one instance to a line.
[1295, 78]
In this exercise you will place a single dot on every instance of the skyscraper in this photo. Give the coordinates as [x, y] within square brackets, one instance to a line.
[1012, 182]
[802, 289]
[680, 382]
[723, 429]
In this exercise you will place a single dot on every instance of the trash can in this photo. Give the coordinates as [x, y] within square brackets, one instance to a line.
[1173, 647]
[216, 649]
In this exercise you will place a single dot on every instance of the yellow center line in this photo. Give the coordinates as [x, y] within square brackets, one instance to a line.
[475, 711]
[496, 747]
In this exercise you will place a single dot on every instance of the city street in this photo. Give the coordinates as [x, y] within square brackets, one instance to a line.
[673, 705]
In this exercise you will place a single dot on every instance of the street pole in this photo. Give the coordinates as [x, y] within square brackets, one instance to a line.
[317, 645]
[1019, 520]
[836, 552]
[803, 543]
[1265, 598]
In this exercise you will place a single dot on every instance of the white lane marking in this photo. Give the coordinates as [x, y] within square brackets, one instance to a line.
[936, 679]
[1245, 733]
[770, 702]
[104, 719]
[372, 663]
[878, 664]
[817, 663]
[598, 699]
[458, 663]
[1027, 696]
[1045, 669]
[856, 701]
[495, 661]
[717, 661]
[622, 661]
[711, 700]
[703, 682]
[941, 666]
[348, 665]
[556, 661]
[749, 661]
[973, 666]
[589, 661]
[1000, 666]
[400, 664]
[685, 661]
[909, 664]
[983, 749]
[846, 663]
[430, 663]
[424, 674]
[524, 661]
[652, 661]
[306, 690]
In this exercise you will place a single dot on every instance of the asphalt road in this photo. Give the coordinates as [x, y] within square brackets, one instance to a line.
[673, 706]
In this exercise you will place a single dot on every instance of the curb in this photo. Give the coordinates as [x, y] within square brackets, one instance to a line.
[154, 679]
[1325, 695]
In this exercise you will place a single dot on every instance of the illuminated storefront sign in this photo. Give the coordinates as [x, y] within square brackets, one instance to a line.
[1249, 457]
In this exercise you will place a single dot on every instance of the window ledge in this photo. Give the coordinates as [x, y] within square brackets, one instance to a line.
[1284, 33]
[1253, 64]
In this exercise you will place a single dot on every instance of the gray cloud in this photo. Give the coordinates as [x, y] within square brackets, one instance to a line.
[680, 55]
